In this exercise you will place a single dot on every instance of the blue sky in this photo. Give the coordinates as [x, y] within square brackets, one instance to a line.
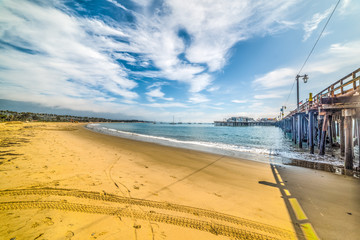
[195, 60]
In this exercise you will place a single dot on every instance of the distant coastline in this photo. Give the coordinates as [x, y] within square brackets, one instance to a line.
[6, 116]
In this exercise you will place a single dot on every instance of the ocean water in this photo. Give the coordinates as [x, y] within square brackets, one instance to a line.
[259, 143]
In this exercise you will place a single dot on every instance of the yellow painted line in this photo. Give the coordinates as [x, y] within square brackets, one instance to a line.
[300, 215]
[309, 231]
[287, 192]
[276, 171]
[282, 184]
[279, 177]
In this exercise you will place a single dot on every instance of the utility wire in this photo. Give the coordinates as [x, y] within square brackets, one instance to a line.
[312, 50]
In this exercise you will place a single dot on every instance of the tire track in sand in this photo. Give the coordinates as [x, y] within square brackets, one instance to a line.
[215, 228]
[151, 215]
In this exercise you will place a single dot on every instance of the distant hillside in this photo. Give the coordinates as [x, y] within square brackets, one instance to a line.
[6, 115]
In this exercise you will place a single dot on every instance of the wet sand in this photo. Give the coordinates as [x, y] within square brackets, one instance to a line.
[62, 181]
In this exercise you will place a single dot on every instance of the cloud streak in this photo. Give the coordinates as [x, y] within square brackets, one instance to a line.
[239, 101]
[311, 25]
[276, 78]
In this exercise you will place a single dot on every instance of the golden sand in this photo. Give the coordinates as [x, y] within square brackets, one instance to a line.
[62, 181]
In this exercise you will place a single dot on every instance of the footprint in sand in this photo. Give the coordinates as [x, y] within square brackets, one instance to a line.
[48, 221]
[36, 224]
[218, 195]
[96, 235]
[136, 226]
[69, 235]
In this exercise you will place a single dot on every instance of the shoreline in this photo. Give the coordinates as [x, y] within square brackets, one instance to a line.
[65, 156]
[315, 164]
[249, 156]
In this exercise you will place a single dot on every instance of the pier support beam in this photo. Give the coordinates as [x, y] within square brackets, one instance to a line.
[319, 129]
[299, 130]
[333, 127]
[305, 129]
[349, 150]
[342, 136]
[311, 132]
[323, 136]
[293, 133]
[330, 129]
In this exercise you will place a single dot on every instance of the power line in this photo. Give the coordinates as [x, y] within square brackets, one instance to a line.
[312, 50]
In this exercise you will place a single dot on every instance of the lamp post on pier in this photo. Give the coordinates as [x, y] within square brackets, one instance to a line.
[305, 78]
[282, 111]
[299, 118]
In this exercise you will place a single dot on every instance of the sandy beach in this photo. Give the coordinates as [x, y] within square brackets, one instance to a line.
[62, 181]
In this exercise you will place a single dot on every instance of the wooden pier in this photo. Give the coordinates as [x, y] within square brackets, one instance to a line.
[328, 120]
[239, 124]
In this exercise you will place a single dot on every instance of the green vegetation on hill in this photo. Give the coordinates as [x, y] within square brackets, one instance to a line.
[6, 116]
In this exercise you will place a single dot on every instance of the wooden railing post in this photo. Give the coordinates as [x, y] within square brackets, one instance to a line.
[354, 83]
[341, 88]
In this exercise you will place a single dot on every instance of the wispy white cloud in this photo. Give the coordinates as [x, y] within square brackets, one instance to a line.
[198, 98]
[117, 4]
[143, 3]
[337, 56]
[256, 104]
[213, 89]
[166, 105]
[311, 25]
[157, 93]
[267, 96]
[198, 83]
[276, 78]
[239, 101]
[344, 7]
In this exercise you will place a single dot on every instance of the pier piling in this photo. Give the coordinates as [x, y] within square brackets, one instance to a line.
[342, 136]
[330, 131]
[323, 135]
[311, 132]
[348, 139]
[299, 126]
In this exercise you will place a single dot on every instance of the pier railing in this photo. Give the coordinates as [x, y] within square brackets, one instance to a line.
[342, 87]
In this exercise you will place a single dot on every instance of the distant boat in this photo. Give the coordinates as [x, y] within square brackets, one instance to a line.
[173, 122]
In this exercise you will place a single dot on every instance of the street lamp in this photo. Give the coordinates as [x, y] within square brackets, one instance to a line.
[305, 78]
[300, 134]
[282, 111]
